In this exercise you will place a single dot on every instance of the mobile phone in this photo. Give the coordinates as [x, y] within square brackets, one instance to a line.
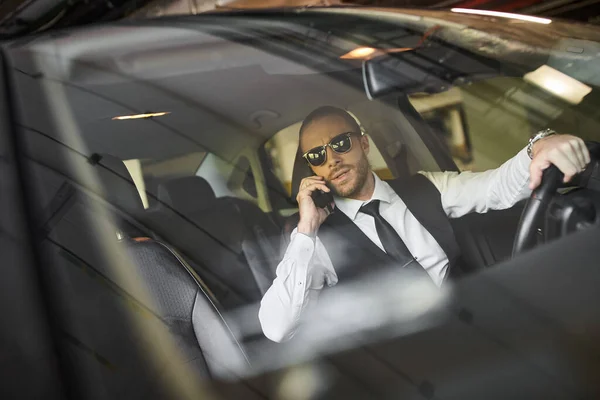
[322, 199]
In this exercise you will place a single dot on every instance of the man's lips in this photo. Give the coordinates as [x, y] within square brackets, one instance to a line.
[339, 174]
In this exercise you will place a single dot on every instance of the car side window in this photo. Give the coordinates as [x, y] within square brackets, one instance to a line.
[485, 123]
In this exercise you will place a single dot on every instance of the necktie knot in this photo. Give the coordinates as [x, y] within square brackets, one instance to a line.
[371, 208]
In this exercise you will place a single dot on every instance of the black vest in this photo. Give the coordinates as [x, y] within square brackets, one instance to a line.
[353, 253]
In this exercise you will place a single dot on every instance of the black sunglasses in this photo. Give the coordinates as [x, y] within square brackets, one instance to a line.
[341, 144]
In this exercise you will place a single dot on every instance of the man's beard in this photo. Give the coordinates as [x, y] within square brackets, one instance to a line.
[362, 174]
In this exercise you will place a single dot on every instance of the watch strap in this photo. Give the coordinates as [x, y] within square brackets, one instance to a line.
[539, 135]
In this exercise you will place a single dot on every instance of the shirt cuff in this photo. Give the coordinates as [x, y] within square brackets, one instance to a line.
[523, 161]
[311, 237]
[301, 244]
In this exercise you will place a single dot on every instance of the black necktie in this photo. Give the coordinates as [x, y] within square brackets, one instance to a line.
[392, 242]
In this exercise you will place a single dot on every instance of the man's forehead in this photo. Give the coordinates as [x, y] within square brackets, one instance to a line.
[323, 129]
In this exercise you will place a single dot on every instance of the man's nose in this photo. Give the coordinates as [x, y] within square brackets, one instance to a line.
[333, 158]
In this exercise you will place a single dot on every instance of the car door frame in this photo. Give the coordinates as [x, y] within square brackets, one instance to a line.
[34, 300]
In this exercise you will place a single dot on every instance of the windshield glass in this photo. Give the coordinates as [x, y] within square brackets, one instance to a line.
[168, 161]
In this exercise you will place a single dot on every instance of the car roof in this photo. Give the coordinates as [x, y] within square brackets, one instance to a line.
[235, 84]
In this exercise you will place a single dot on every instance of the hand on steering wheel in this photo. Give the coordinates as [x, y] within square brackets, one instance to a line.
[535, 210]
[568, 153]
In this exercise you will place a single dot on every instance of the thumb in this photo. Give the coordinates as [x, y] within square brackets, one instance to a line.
[535, 179]
[536, 171]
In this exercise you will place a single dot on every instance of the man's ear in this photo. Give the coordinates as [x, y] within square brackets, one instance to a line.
[364, 143]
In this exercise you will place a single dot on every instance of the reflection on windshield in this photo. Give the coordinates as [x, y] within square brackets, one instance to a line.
[381, 305]
[199, 257]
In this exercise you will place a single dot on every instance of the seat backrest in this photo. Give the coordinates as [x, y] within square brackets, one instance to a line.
[224, 239]
[179, 296]
[187, 308]
[132, 308]
[187, 195]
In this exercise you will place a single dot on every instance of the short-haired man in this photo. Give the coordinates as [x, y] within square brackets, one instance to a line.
[391, 221]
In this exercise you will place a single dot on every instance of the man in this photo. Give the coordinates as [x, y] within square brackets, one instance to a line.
[406, 222]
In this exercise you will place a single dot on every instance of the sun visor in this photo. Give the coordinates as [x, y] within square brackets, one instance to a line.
[101, 56]
[193, 59]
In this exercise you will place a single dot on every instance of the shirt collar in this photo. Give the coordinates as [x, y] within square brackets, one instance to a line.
[350, 207]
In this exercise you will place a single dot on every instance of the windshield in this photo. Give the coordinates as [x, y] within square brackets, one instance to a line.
[167, 163]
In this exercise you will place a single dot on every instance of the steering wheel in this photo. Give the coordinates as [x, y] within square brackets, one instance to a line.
[574, 212]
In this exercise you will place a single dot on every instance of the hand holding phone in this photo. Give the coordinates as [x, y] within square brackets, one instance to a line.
[314, 203]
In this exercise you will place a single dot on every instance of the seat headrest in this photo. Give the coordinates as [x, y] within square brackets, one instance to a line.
[120, 190]
[301, 170]
[187, 194]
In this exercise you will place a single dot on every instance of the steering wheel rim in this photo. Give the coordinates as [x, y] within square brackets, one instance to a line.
[552, 179]
[535, 210]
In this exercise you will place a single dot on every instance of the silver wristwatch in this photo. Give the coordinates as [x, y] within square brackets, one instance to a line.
[539, 135]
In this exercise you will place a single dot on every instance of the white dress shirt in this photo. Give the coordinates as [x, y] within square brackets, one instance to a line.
[306, 267]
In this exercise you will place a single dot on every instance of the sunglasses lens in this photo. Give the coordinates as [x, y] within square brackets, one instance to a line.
[316, 157]
[341, 143]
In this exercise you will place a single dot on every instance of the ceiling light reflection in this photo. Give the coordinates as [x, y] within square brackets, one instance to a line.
[367, 53]
[140, 116]
[359, 53]
[500, 14]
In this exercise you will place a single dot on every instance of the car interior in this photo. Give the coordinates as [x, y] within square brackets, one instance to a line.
[164, 268]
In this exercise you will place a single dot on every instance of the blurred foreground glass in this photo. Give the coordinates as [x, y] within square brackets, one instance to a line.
[382, 305]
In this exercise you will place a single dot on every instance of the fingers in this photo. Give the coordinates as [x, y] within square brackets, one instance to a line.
[309, 185]
[314, 182]
[582, 149]
[568, 153]
[571, 156]
[311, 216]
[577, 152]
[565, 161]
[309, 181]
[586, 151]
[308, 189]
